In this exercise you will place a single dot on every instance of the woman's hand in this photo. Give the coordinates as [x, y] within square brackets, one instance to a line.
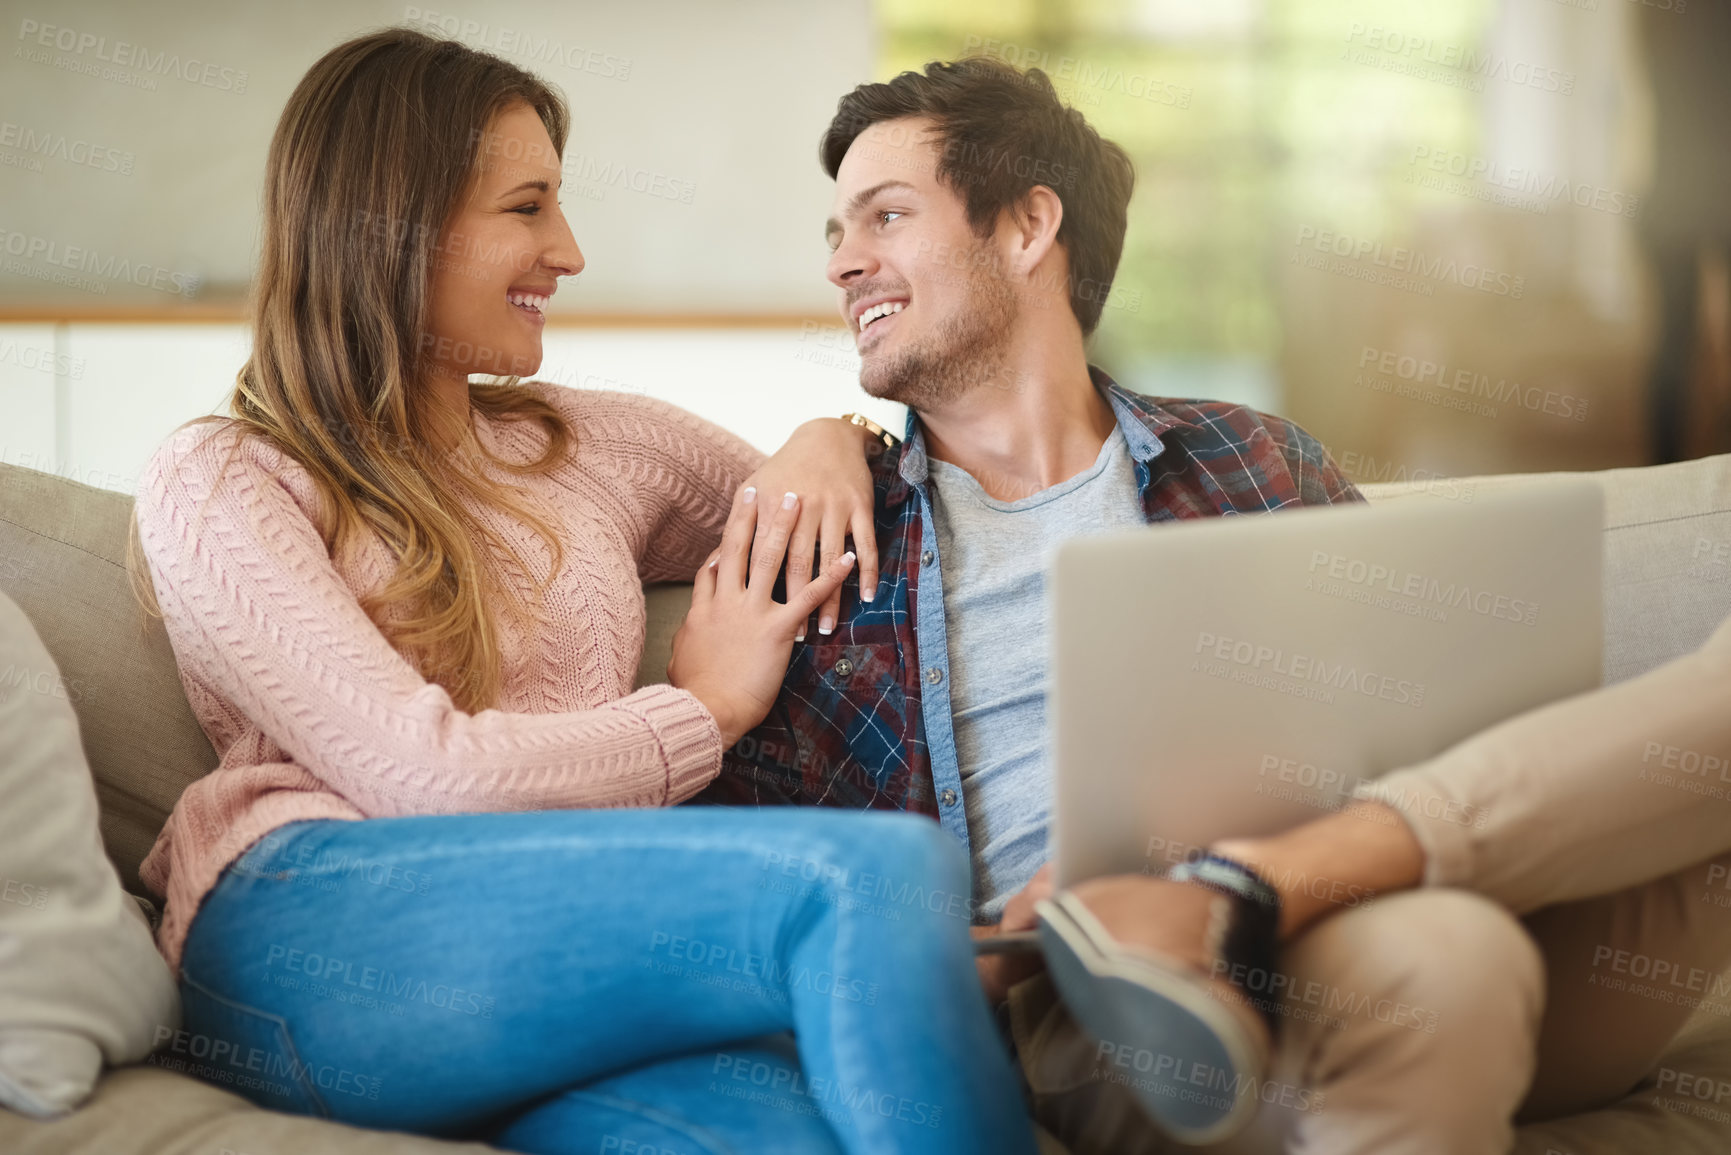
[825, 463]
[732, 651]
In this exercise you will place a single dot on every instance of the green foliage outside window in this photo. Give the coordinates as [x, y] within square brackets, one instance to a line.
[1243, 117]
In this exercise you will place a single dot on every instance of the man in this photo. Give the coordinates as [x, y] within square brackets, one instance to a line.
[976, 229]
[971, 290]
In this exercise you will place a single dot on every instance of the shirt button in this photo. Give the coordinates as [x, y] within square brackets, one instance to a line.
[843, 668]
[934, 675]
[926, 557]
[948, 798]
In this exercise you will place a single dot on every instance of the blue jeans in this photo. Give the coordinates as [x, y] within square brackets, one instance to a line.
[606, 981]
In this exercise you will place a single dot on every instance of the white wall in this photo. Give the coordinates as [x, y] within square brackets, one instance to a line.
[725, 99]
[27, 395]
[92, 402]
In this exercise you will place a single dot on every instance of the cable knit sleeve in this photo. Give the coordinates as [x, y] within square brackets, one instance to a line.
[254, 605]
[681, 472]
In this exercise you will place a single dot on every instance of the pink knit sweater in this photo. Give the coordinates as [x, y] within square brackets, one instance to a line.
[315, 715]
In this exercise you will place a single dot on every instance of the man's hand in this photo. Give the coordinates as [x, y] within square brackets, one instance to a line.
[1000, 972]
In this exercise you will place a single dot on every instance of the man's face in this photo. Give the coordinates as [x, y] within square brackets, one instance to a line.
[924, 295]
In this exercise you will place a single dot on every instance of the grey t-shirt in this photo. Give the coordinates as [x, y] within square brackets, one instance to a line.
[995, 555]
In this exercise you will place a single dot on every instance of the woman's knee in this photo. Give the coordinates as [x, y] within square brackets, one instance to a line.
[881, 850]
[920, 861]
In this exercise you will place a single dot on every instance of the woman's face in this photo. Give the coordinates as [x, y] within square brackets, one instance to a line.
[500, 256]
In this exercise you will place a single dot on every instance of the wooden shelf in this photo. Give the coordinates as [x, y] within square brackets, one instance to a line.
[200, 313]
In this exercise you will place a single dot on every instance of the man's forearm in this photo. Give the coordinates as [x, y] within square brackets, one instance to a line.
[1334, 862]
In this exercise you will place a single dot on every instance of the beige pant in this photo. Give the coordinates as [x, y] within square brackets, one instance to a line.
[1577, 910]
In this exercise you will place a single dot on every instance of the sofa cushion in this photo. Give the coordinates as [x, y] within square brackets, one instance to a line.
[664, 610]
[62, 559]
[80, 980]
[63, 549]
[1667, 553]
[145, 1110]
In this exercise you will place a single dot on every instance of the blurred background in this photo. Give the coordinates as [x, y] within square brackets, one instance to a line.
[1475, 237]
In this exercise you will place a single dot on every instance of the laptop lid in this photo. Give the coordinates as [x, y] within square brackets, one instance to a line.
[1237, 676]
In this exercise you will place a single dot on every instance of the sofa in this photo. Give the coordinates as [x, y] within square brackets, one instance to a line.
[1667, 542]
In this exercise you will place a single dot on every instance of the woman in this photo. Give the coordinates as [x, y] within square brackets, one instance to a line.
[408, 611]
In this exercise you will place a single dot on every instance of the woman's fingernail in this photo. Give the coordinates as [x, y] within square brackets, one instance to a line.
[799, 637]
[750, 494]
[847, 557]
[787, 502]
[825, 624]
[866, 595]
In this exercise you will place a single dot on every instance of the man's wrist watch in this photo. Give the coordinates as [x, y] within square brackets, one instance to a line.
[889, 439]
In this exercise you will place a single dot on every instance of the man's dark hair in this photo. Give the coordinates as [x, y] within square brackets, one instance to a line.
[999, 132]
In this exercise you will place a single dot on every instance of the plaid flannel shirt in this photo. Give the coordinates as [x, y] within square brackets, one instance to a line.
[863, 717]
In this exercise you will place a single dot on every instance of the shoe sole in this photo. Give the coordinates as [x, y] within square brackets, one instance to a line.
[1193, 1066]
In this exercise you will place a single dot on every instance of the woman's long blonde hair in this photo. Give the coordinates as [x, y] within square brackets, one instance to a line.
[377, 148]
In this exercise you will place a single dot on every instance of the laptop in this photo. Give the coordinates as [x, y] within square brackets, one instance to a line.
[1238, 676]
